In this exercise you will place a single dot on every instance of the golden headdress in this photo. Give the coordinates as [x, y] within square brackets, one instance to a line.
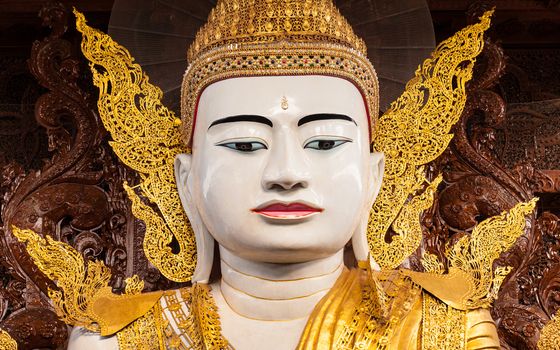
[275, 37]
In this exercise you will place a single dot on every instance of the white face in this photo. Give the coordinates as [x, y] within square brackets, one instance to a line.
[281, 169]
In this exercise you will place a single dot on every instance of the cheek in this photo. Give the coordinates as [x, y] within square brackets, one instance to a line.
[225, 186]
[342, 184]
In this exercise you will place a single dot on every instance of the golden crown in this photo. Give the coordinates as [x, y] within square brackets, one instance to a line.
[253, 21]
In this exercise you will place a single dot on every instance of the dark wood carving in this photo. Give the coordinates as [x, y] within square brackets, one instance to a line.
[61, 179]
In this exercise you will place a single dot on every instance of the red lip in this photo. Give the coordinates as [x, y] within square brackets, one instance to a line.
[287, 210]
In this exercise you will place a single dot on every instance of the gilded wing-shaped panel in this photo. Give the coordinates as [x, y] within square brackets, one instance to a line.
[414, 131]
[65, 266]
[146, 137]
[475, 254]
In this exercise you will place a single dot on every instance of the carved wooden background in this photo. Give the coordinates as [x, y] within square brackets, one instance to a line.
[59, 177]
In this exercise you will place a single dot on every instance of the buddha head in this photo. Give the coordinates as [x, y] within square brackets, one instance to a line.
[279, 106]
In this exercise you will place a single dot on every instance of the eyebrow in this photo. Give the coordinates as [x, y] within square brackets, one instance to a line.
[324, 116]
[243, 118]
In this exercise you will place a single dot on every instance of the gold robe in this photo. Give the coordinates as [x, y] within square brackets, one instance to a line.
[363, 310]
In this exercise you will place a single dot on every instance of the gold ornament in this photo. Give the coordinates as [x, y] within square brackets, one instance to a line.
[145, 333]
[413, 132]
[84, 297]
[146, 137]
[443, 327]
[284, 103]
[7, 342]
[550, 335]
[472, 256]
[66, 267]
[241, 22]
[475, 253]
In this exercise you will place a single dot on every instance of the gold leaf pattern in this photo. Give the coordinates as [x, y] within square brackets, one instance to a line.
[66, 267]
[415, 131]
[146, 137]
[476, 253]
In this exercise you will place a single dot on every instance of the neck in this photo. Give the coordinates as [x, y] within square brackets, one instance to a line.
[276, 292]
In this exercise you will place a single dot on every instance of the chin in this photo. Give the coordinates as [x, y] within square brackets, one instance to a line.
[291, 249]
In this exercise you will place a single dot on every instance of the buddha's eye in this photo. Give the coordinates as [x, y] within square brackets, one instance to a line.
[325, 145]
[244, 146]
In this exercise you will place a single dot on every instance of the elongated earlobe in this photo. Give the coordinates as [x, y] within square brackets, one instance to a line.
[204, 241]
[359, 238]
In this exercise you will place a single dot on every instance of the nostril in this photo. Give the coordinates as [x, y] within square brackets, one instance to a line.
[286, 186]
[276, 187]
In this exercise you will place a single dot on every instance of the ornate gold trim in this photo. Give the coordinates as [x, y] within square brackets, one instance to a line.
[443, 327]
[251, 22]
[414, 132]
[201, 327]
[66, 267]
[146, 137]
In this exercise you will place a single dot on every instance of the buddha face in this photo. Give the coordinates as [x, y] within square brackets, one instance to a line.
[280, 169]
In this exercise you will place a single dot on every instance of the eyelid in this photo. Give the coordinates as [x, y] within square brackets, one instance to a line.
[242, 139]
[327, 138]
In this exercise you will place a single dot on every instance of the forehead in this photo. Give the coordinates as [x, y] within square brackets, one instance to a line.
[263, 96]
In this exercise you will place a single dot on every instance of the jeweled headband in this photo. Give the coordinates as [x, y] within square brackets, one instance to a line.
[245, 38]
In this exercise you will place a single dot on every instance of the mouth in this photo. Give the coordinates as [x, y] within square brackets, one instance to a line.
[294, 210]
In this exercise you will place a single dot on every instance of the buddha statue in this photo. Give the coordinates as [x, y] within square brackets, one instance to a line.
[279, 159]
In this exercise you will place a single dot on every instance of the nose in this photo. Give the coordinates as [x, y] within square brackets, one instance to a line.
[287, 167]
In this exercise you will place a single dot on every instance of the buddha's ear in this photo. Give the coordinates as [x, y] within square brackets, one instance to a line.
[204, 241]
[359, 238]
[377, 168]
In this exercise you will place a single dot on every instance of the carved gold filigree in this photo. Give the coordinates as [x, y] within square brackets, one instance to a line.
[550, 335]
[145, 333]
[475, 253]
[415, 131]
[200, 327]
[251, 22]
[390, 291]
[66, 267]
[204, 314]
[7, 342]
[146, 137]
[443, 327]
[80, 288]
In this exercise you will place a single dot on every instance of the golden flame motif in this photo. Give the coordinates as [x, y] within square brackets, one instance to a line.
[146, 137]
[414, 132]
